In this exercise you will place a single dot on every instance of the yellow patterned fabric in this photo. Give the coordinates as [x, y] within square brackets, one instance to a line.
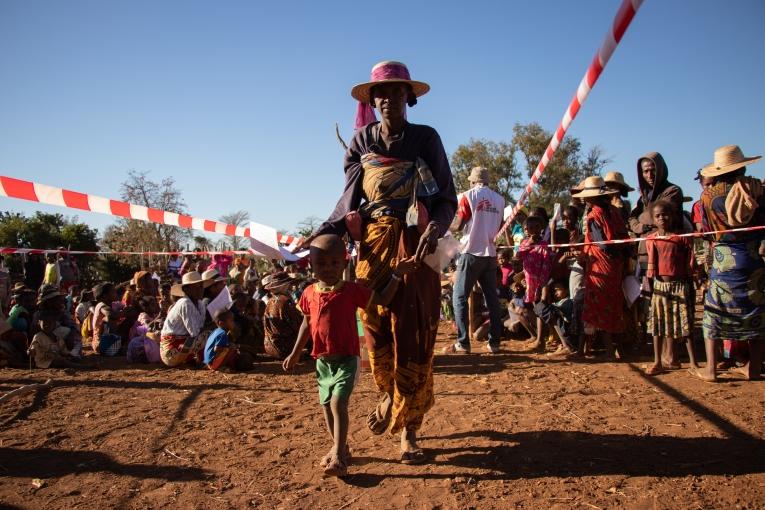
[401, 337]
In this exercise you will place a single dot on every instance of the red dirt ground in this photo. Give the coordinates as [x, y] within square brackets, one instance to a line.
[513, 430]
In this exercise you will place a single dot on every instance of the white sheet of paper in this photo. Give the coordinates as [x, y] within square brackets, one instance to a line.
[222, 300]
[264, 242]
[447, 249]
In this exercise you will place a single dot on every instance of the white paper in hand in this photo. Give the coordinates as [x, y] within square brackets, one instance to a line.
[264, 242]
[222, 300]
[448, 247]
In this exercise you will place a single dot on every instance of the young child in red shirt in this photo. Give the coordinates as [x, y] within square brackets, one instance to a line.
[329, 319]
[670, 266]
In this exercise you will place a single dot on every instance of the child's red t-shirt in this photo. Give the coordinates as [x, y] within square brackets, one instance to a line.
[671, 257]
[332, 317]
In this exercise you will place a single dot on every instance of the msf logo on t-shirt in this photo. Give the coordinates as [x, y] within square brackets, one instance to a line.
[485, 206]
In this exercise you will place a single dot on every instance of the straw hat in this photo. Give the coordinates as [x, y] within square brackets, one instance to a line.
[189, 278]
[19, 289]
[727, 159]
[212, 276]
[275, 281]
[594, 186]
[617, 178]
[48, 292]
[388, 72]
[479, 174]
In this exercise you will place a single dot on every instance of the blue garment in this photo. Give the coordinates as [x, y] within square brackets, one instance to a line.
[472, 269]
[218, 338]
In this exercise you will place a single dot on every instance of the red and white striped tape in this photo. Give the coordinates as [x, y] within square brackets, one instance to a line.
[671, 236]
[44, 194]
[615, 33]
[33, 251]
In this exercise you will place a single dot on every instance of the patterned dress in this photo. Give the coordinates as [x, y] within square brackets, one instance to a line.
[734, 307]
[603, 298]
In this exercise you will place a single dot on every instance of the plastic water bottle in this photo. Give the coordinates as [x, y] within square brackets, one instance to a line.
[428, 186]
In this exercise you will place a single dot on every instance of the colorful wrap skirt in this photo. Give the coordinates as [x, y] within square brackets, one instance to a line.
[401, 337]
[734, 306]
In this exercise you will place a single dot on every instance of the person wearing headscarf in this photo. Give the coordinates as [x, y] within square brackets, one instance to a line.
[734, 305]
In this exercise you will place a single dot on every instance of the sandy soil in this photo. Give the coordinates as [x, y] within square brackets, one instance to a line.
[513, 430]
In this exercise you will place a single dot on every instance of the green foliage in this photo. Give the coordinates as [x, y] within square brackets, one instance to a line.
[567, 168]
[48, 231]
[511, 163]
[307, 226]
[497, 157]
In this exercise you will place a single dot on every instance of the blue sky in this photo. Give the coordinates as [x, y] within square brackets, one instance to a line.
[237, 100]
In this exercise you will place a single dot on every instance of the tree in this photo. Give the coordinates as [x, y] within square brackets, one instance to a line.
[49, 231]
[202, 243]
[497, 157]
[307, 226]
[136, 235]
[567, 168]
[240, 219]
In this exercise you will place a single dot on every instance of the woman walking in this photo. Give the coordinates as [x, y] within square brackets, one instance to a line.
[399, 199]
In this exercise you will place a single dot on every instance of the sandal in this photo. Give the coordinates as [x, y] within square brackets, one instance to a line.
[376, 421]
[336, 467]
[413, 457]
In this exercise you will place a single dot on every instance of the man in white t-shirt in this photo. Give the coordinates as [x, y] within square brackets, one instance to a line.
[480, 214]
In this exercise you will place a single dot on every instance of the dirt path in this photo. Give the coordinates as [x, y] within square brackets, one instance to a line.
[508, 431]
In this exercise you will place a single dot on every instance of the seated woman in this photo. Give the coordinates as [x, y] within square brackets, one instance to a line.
[105, 318]
[51, 300]
[282, 319]
[181, 341]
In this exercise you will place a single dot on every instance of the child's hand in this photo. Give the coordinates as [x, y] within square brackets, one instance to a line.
[406, 266]
[290, 362]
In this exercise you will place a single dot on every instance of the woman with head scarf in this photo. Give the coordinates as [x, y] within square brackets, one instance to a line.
[399, 199]
[734, 306]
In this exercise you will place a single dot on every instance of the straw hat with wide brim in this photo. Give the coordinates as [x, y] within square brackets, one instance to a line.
[189, 278]
[48, 294]
[594, 186]
[388, 72]
[213, 276]
[276, 281]
[616, 178]
[727, 159]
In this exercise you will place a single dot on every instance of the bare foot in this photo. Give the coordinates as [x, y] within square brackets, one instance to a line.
[336, 467]
[743, 371]
[702, 374]
[655, 369]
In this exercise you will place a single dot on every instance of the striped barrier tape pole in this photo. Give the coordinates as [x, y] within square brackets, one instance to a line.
[51, 195]
[33, 251]
[671, 236]
[27, 251]
[615, 33]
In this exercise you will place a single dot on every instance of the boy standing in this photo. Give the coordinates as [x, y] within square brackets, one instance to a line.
[329, 319]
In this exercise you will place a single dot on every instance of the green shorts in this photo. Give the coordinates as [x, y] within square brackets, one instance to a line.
[336, 376]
